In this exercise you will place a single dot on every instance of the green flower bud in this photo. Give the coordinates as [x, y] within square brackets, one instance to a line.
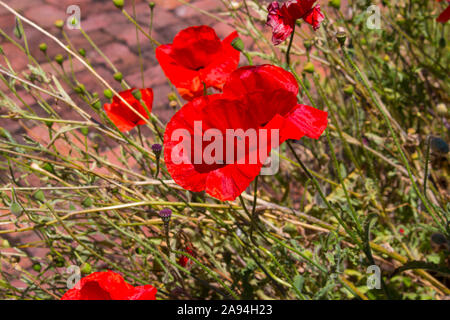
[137, 94]
[43, 47]
[82, 52]
[108, 94]
[118, 3]
[349, 89]
[85, 131]
[238, 44]
[16, 209]
[86, 268]
[151, 5]
[37, 267]
[309, 67]
[39, 196]
[97, 104]
[48, 167]
[335, 4]
[59, 59]
[118, 76]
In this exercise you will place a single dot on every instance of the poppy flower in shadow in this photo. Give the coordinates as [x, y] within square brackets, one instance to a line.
[219, 143]
[198, 59]
[282, 18]
[122, 116]
[108, 286]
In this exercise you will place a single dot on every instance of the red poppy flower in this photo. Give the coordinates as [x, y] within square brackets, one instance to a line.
[122, 116]
[254, 98]
[198, 58]
[445, 15]
[282, 19]
[183, 260]
[108, 286]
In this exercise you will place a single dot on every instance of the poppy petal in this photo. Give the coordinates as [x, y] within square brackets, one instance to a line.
[314, 17]
[187, 81]
[311, 121]
[223, 64]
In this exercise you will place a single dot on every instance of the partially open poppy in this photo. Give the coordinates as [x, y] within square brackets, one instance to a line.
[198, 59]
[445, 15]
[257, 111]
[108, 286]
[282, 18]
[122, 116]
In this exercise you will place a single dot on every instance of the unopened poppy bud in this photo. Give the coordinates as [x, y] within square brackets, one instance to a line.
[108, 94]
[86, 268]
[82, 52]
[335, 4]
[118, 76]
[137, 94]
[341, 37]
[59, 24]
[165, 215]
[39, 196]
[349, 89]
[441, 109]
[97, 104]
[85, 131]
[157, 148]
[238, 44]
[151, 4]
[309, 67]
[43, 47]
[80, 88]
[16, 209]
[118, 3]
[59, 59]
[37, 267]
